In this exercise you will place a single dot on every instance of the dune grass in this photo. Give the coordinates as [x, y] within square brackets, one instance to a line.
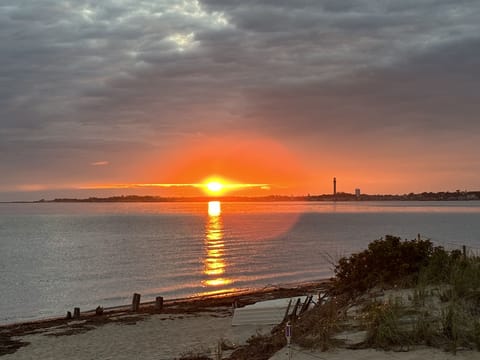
[443, 309]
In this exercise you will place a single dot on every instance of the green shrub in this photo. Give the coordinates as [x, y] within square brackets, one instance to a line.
[440, 265]
[385, 262]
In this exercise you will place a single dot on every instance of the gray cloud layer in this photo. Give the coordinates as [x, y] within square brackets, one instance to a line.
[82, 80]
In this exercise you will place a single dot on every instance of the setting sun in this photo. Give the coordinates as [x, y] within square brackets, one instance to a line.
[214, 186]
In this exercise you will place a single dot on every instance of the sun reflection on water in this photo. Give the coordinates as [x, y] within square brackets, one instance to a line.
[215, 264]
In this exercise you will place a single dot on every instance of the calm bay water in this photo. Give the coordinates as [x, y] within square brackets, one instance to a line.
[56, 256]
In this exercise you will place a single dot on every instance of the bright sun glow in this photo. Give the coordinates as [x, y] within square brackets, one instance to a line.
[214, 186]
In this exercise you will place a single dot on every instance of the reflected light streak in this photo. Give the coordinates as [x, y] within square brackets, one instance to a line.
[215, 248]
[214, 209]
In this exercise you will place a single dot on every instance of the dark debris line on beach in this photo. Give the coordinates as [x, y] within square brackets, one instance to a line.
[8, 345]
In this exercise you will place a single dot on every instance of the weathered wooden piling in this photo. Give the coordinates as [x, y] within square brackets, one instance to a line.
[76, 313]
[159, 303]
[136, 302]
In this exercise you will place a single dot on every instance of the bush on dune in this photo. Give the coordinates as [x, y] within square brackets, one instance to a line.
[451, 276]
[441, 309]
[384, 263]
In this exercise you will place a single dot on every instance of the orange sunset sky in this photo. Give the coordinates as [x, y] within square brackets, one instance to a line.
[157, 97]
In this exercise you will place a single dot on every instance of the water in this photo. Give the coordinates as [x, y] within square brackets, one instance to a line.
[55, 256]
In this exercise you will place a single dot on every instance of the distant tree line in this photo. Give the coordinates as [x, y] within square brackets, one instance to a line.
[342, 196]
[424, 196]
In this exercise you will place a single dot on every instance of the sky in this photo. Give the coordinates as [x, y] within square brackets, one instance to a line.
[98, 95]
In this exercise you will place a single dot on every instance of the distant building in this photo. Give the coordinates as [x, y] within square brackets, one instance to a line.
[357, 193]
[334, 186]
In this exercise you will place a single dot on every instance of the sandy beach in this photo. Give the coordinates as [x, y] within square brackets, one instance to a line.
[170, 336]
[145, 337]
[372, 354]
[182, 328]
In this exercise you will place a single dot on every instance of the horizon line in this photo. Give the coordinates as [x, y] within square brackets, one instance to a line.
[338, 196]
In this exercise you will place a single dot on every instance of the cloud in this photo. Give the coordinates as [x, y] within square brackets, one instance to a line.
[152, 63]
[99, 163]
[84, 79]
[429, 92]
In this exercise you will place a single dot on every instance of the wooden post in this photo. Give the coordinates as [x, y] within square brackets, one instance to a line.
[159, 303]
[306, 304]
[136, 302]
[285, 317]
[295, 308]
[464, 250]
[76, 313]
[321, 298]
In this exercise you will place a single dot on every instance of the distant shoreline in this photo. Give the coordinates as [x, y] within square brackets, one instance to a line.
[425, 196]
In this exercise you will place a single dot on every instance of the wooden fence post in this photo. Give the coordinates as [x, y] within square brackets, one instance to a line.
[306, 304]
[295, 308]
[285, 317]
[136, 302]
